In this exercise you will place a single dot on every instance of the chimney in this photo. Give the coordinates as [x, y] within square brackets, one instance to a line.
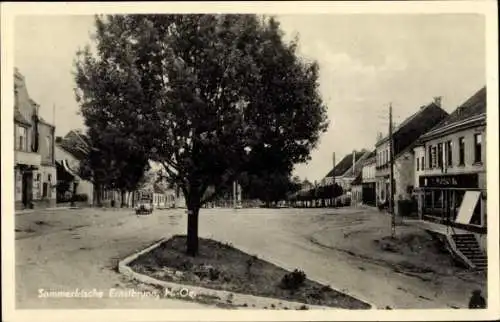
[437, 100]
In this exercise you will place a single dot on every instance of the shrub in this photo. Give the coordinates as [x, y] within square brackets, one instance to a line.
[81, 197]
[293, 280]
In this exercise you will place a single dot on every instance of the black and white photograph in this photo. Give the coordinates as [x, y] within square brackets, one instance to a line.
[266, 161]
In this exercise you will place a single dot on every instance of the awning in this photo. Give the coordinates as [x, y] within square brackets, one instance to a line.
[68, 169]
[63, 172]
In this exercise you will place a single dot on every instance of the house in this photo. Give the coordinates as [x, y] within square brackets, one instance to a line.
[35, 174]
[450, 167]
[344, 172]
[368, 179]
[70, 151]
[405, 136]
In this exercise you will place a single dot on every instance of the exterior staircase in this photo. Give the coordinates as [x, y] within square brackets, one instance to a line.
[467, 245]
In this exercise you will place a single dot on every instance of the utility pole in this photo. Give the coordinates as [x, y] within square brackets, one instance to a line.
[333, 182]
[235, 193]
[391, 176]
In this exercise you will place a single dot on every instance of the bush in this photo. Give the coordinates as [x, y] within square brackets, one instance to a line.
[81, 197]
[293, 280]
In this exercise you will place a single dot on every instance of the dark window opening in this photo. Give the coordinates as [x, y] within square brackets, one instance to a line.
[477, 147]
[461, 151]
[440, 155]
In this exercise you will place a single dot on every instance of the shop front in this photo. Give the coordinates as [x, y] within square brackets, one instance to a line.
[454, 200]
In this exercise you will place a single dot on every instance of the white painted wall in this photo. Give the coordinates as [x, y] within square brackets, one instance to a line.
[368, 172]
[84, 186]
[418, 156]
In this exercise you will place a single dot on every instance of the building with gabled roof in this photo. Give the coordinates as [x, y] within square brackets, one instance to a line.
[405, 137]
[450, 163]
[346, 170]
[34, 164]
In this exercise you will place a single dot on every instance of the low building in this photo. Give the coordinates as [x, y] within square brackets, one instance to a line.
[451, 167]
[368, 179]
[35, 174]
[71, 150]
[69, 181]
[344, 172]
[405, 136]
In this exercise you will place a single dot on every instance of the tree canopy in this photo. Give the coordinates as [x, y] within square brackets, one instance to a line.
[207, 96]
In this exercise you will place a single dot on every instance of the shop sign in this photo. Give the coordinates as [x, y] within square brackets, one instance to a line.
[450, 181]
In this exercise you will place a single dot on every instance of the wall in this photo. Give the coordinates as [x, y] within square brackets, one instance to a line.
[404, 176]
[469, 166]
[46, 143]
[419, 153]
[368, 172]
[356, 195]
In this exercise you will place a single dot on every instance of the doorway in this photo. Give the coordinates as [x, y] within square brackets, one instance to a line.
[27, 191]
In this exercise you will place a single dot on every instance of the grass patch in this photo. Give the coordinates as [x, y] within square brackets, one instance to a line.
[222, 267]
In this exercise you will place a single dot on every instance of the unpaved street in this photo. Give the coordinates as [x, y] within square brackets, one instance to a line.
[70, 249]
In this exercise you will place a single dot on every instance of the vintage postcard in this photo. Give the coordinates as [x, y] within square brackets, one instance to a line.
[223, 161]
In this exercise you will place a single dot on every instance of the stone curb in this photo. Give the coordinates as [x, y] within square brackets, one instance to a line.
[237, 299]
[283, 265]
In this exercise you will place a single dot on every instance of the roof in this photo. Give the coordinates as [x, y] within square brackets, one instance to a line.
[344, 165]
[18, 117]
[414, 126]
[372, 154]
[42, 120]
[72, 149]
[474, 106]
[358, 167]
[76, 144]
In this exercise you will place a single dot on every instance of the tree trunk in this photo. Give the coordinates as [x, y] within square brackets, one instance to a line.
[98, 195]
[123, 199]
[192, 231]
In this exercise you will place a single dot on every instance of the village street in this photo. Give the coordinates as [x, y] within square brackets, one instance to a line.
[70, 249]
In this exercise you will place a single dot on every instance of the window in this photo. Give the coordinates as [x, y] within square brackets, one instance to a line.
[477, 147]
[49, 178]
[418, 164]
[434, 157]
[440, 155]
[422, 163]
[430, 156]
[449, 153]
[461, 151]
[21, 138]
[45, 189]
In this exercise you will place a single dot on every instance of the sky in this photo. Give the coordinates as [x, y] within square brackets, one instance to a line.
[366, 63]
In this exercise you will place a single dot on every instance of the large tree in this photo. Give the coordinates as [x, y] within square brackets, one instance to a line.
[208, 96]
